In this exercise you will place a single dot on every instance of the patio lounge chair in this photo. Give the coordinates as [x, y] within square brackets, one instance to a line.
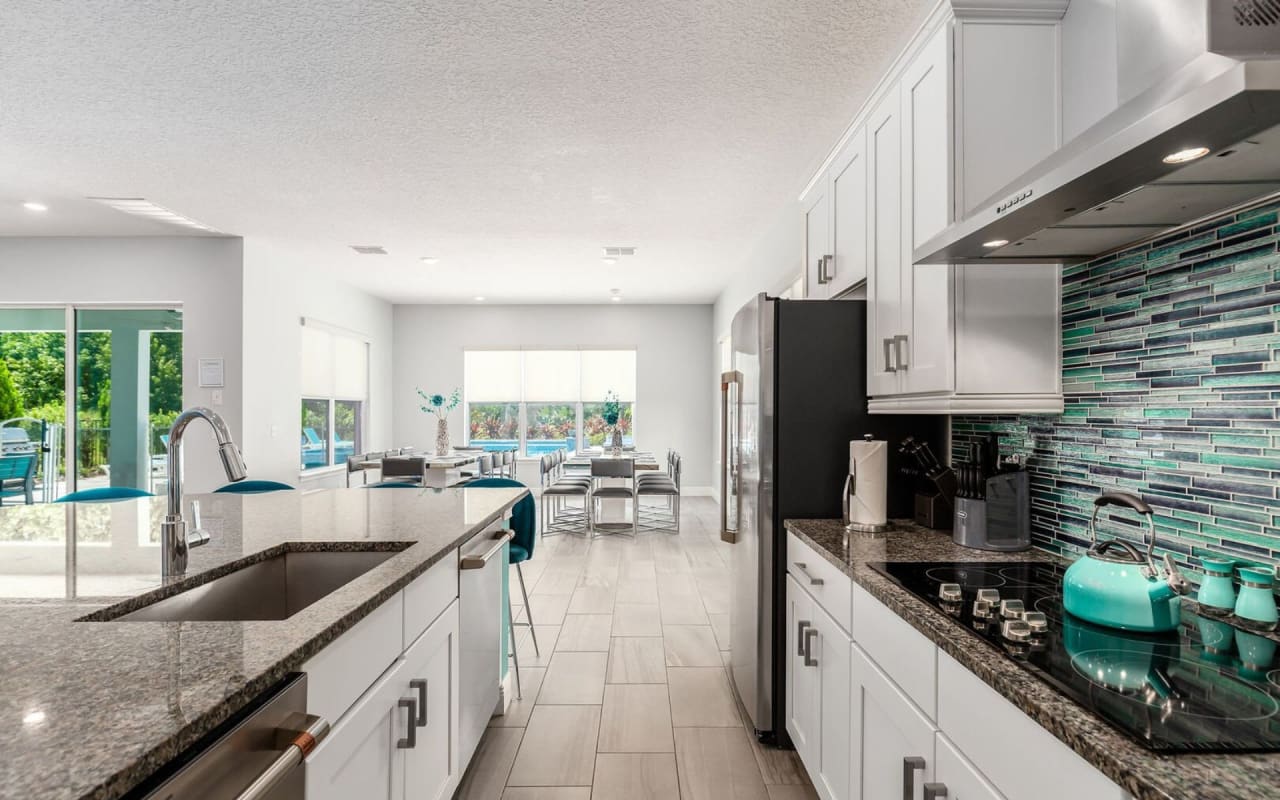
[17, 477]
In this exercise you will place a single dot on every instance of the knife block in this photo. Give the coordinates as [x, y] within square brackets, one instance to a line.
[934, 510]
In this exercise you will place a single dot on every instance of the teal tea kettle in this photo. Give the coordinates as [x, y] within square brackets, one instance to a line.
[1116, 586]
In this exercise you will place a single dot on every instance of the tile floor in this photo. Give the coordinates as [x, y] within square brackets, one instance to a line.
[630, 699]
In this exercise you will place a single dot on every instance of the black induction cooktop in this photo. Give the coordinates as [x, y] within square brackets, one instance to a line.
[1206, 688]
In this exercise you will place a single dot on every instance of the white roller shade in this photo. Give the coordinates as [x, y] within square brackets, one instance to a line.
[608, 370]
[491, 376]
[350, 368]
[551, 376]
[317, 362]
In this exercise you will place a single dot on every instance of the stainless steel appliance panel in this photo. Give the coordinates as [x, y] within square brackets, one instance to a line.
[751, 560]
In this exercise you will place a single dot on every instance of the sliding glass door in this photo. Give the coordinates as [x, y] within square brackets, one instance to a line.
[124, 373]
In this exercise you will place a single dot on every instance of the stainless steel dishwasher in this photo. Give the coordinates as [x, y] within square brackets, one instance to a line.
[480, 597]
[258, 757]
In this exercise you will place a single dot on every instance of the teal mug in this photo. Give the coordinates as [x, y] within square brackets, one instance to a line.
[1217, 594]
[1256, 602]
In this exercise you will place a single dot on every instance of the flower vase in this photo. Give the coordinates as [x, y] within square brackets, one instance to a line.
[442, 437]
[617, 440]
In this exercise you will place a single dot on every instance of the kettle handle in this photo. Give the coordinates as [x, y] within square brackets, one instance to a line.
[1131, 501]
[1123, 499]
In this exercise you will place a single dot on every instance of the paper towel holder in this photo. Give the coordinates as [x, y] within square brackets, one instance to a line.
[850, 489]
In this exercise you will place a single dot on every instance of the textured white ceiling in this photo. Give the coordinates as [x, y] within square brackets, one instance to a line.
[510, 138]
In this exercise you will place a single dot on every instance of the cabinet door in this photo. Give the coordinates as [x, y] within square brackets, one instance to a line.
[803, 716]
[849, 216]
[925, 348]
[360, 757]
[884, 234]
[891, 742]
[962, 779]
[431, 676]
[817, 240]
[830, 649]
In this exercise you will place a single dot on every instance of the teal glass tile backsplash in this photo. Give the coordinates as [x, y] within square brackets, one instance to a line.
[1171, 372]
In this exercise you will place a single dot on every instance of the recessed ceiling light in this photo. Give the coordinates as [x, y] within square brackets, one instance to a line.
[369, 249]
[429, 260]
[32, 205]
[141, 207]
[996, 243]
[609, 261]
[33, 718]
[616, 299]
[1183, 156]
[479, 298]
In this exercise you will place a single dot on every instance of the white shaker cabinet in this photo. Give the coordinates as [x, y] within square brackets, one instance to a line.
[818, 692]
[960, 779]
[884, 234]
[891, 740]
[400, 739]
[816, 206]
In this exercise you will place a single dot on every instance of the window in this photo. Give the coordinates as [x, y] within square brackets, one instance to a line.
[545, 400]
[335, 390]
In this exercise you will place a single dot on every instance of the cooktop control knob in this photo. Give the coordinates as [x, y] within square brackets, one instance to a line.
[983, 609]
[1012, 609]
[950, 593]
[1037, 621]
[1015, 630]
[992, 596]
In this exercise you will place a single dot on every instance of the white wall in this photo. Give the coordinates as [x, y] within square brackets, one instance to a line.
[279, 289]
[673, 365]
[202, 274]
[771, 265]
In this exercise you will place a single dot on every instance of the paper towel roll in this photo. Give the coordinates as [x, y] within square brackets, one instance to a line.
[869, 466]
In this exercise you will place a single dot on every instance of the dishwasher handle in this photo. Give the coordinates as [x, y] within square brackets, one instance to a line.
[300, 742]
[479, 560]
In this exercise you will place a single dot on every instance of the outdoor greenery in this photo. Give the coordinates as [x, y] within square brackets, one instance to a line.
[494, 420]
[597, 430]
[34, 363]
[551, 421]
[10, 403]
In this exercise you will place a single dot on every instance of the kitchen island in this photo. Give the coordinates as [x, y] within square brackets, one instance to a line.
[91, 708]
[987, 714]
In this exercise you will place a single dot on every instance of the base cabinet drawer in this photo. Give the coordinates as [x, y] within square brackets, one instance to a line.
[341, 672]
[900, 650]
[987, 728]
[827, 585]
[891, 741]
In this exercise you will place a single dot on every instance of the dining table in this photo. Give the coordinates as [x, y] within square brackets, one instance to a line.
[436, 469]
[643, 460]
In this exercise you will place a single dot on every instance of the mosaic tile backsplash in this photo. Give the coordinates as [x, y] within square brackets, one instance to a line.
[1171, 371]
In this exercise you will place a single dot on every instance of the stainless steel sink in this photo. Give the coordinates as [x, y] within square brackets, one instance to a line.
[276, 588]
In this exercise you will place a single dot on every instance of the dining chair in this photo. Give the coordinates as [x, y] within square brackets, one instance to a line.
[557, 516]
[403, 468]
[612, 469]
[667, 487]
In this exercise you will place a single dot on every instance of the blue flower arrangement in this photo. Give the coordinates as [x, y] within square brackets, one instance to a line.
[438, 404]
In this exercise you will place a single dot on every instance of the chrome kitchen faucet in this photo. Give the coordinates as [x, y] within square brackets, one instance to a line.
[174, 539]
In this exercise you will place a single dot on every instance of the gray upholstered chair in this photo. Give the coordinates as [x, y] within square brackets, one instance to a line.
[603, 469]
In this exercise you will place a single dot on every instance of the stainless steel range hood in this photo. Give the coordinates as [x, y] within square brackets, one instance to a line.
[1111, 187]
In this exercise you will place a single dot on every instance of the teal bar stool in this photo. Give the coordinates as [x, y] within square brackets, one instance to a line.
[105, 494]
[524, 527]
[253, 487]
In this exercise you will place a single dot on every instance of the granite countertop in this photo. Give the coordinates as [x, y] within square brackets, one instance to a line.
[88, 709]
[1145, 775]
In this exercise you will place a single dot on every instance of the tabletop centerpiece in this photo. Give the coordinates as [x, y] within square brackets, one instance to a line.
[611, 414]
[440, 405]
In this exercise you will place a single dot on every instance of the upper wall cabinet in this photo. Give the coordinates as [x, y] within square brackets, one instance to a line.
[973, 102]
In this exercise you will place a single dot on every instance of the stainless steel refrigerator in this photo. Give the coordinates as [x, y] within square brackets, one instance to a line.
[795, 397]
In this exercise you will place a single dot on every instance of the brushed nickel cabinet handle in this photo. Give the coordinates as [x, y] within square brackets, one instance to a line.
[410, 740]
[932, 791]
[800, 626]
[910, 766]
[888, 355]
[804, 570]
[421, 685]
[898, 342]
[809, 660]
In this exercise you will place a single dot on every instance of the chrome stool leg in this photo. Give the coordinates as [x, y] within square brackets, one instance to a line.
[515, 656]
[528, 612]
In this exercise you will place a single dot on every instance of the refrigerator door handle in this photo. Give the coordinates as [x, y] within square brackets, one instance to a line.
[729, 380]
